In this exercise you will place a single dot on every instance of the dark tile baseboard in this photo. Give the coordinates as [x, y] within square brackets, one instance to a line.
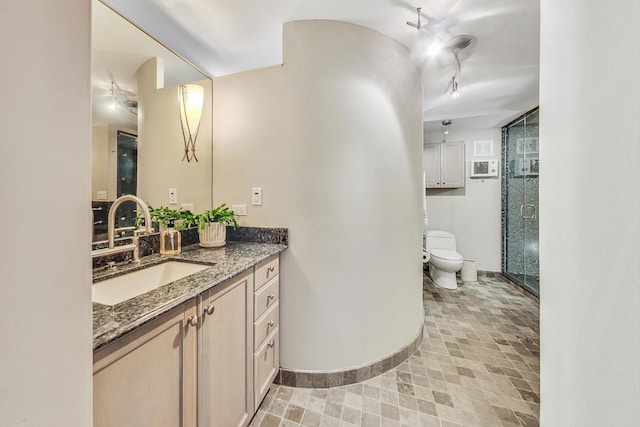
[307, 379]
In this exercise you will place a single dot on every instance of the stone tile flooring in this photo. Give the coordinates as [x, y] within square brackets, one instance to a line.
[478, 365]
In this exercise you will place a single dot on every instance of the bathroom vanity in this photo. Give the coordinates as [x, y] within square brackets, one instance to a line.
[201, 350]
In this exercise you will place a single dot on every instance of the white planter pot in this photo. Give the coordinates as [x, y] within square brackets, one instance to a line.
[213, 235]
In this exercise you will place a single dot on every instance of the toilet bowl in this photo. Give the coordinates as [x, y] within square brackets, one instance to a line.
[444, 261]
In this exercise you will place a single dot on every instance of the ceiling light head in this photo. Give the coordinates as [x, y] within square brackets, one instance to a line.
[460, 42]
[445, 129]
[435, 47]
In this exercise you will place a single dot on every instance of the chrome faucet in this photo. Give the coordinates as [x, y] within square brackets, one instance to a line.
[111, 223]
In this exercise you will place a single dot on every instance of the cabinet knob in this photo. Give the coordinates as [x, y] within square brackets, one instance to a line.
[209, 309]
[193, 320]
[271, 323]
[271, 343]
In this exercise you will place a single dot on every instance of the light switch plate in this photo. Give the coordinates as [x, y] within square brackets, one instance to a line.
[256, 196]
[240, 210]
[173, 196]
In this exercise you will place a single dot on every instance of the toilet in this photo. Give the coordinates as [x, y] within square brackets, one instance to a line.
[444, 261]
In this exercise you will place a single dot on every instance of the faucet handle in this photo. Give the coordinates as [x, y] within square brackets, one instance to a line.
[140, 232]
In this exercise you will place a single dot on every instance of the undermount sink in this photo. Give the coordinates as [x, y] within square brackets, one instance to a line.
[121, 288]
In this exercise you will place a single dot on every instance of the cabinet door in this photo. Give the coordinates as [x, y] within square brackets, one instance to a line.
[226, 347]
[147, 377]
[452, 172]
[431, 164]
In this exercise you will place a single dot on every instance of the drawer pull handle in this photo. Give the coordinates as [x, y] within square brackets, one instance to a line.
[209, 309]
[270, 269]
[271, 296]
[271, 343]
[271, 323]
[193, 320]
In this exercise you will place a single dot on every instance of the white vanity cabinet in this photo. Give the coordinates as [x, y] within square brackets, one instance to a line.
[444, 165]
[266, 326]
[225, 350]
[148, 377]
[208, 362]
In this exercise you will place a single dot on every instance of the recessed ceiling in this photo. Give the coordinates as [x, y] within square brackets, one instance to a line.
[499, 72]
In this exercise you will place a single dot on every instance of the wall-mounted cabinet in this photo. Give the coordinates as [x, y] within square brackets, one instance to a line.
[444, 165]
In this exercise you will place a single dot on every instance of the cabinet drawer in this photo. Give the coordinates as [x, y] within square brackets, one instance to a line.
[266, 271]
[266, 297]
[266, 325]
[266, 365]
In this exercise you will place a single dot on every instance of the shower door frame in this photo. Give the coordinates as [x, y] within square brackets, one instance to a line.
[505, 171]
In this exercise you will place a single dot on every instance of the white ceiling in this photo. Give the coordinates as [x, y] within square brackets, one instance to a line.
[499, 71]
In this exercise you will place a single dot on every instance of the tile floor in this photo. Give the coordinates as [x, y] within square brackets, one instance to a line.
[478, 365]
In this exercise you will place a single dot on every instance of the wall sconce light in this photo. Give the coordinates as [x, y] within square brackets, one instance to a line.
[191, 100]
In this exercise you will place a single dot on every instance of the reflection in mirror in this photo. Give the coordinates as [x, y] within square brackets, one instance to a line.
[137, 141]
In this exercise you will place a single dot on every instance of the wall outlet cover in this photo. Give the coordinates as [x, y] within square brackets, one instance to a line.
[240, 210]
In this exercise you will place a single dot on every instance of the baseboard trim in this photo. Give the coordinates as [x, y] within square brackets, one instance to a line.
[315, 379]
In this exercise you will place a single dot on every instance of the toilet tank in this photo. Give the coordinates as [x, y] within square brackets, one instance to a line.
[438, 239]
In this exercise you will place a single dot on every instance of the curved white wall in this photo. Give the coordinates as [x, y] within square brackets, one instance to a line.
[334, 138]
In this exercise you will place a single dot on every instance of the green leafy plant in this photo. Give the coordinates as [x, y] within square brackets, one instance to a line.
[181, 218]
[220, 214]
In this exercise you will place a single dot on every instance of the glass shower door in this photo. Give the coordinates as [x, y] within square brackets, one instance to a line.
[127, 176]
[520, 202]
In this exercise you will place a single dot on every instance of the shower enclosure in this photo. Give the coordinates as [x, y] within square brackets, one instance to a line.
[520, 213]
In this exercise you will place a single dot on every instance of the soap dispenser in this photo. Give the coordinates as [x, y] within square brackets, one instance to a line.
[170, 240]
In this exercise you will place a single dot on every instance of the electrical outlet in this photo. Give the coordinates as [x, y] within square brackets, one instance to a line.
[240, 210]
[173, 196]
[187, 206]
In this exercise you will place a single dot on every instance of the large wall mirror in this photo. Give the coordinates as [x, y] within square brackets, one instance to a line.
[137, 137]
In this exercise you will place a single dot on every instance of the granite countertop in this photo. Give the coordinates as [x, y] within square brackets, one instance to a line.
[111, 322]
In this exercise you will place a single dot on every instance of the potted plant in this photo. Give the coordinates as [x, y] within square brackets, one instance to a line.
[181, 218]
[212, 225]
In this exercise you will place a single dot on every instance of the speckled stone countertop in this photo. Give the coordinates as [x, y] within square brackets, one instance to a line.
[111, 322]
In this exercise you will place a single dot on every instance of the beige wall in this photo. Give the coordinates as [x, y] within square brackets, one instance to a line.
[472, 213]
[161, 146]
[45, 263]
[334, 139]
[590, 226]
[100, 161]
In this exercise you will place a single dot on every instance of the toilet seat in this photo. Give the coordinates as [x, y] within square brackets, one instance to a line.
[446, 254]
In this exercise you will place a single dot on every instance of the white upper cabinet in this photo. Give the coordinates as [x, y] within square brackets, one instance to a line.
[444, 165]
